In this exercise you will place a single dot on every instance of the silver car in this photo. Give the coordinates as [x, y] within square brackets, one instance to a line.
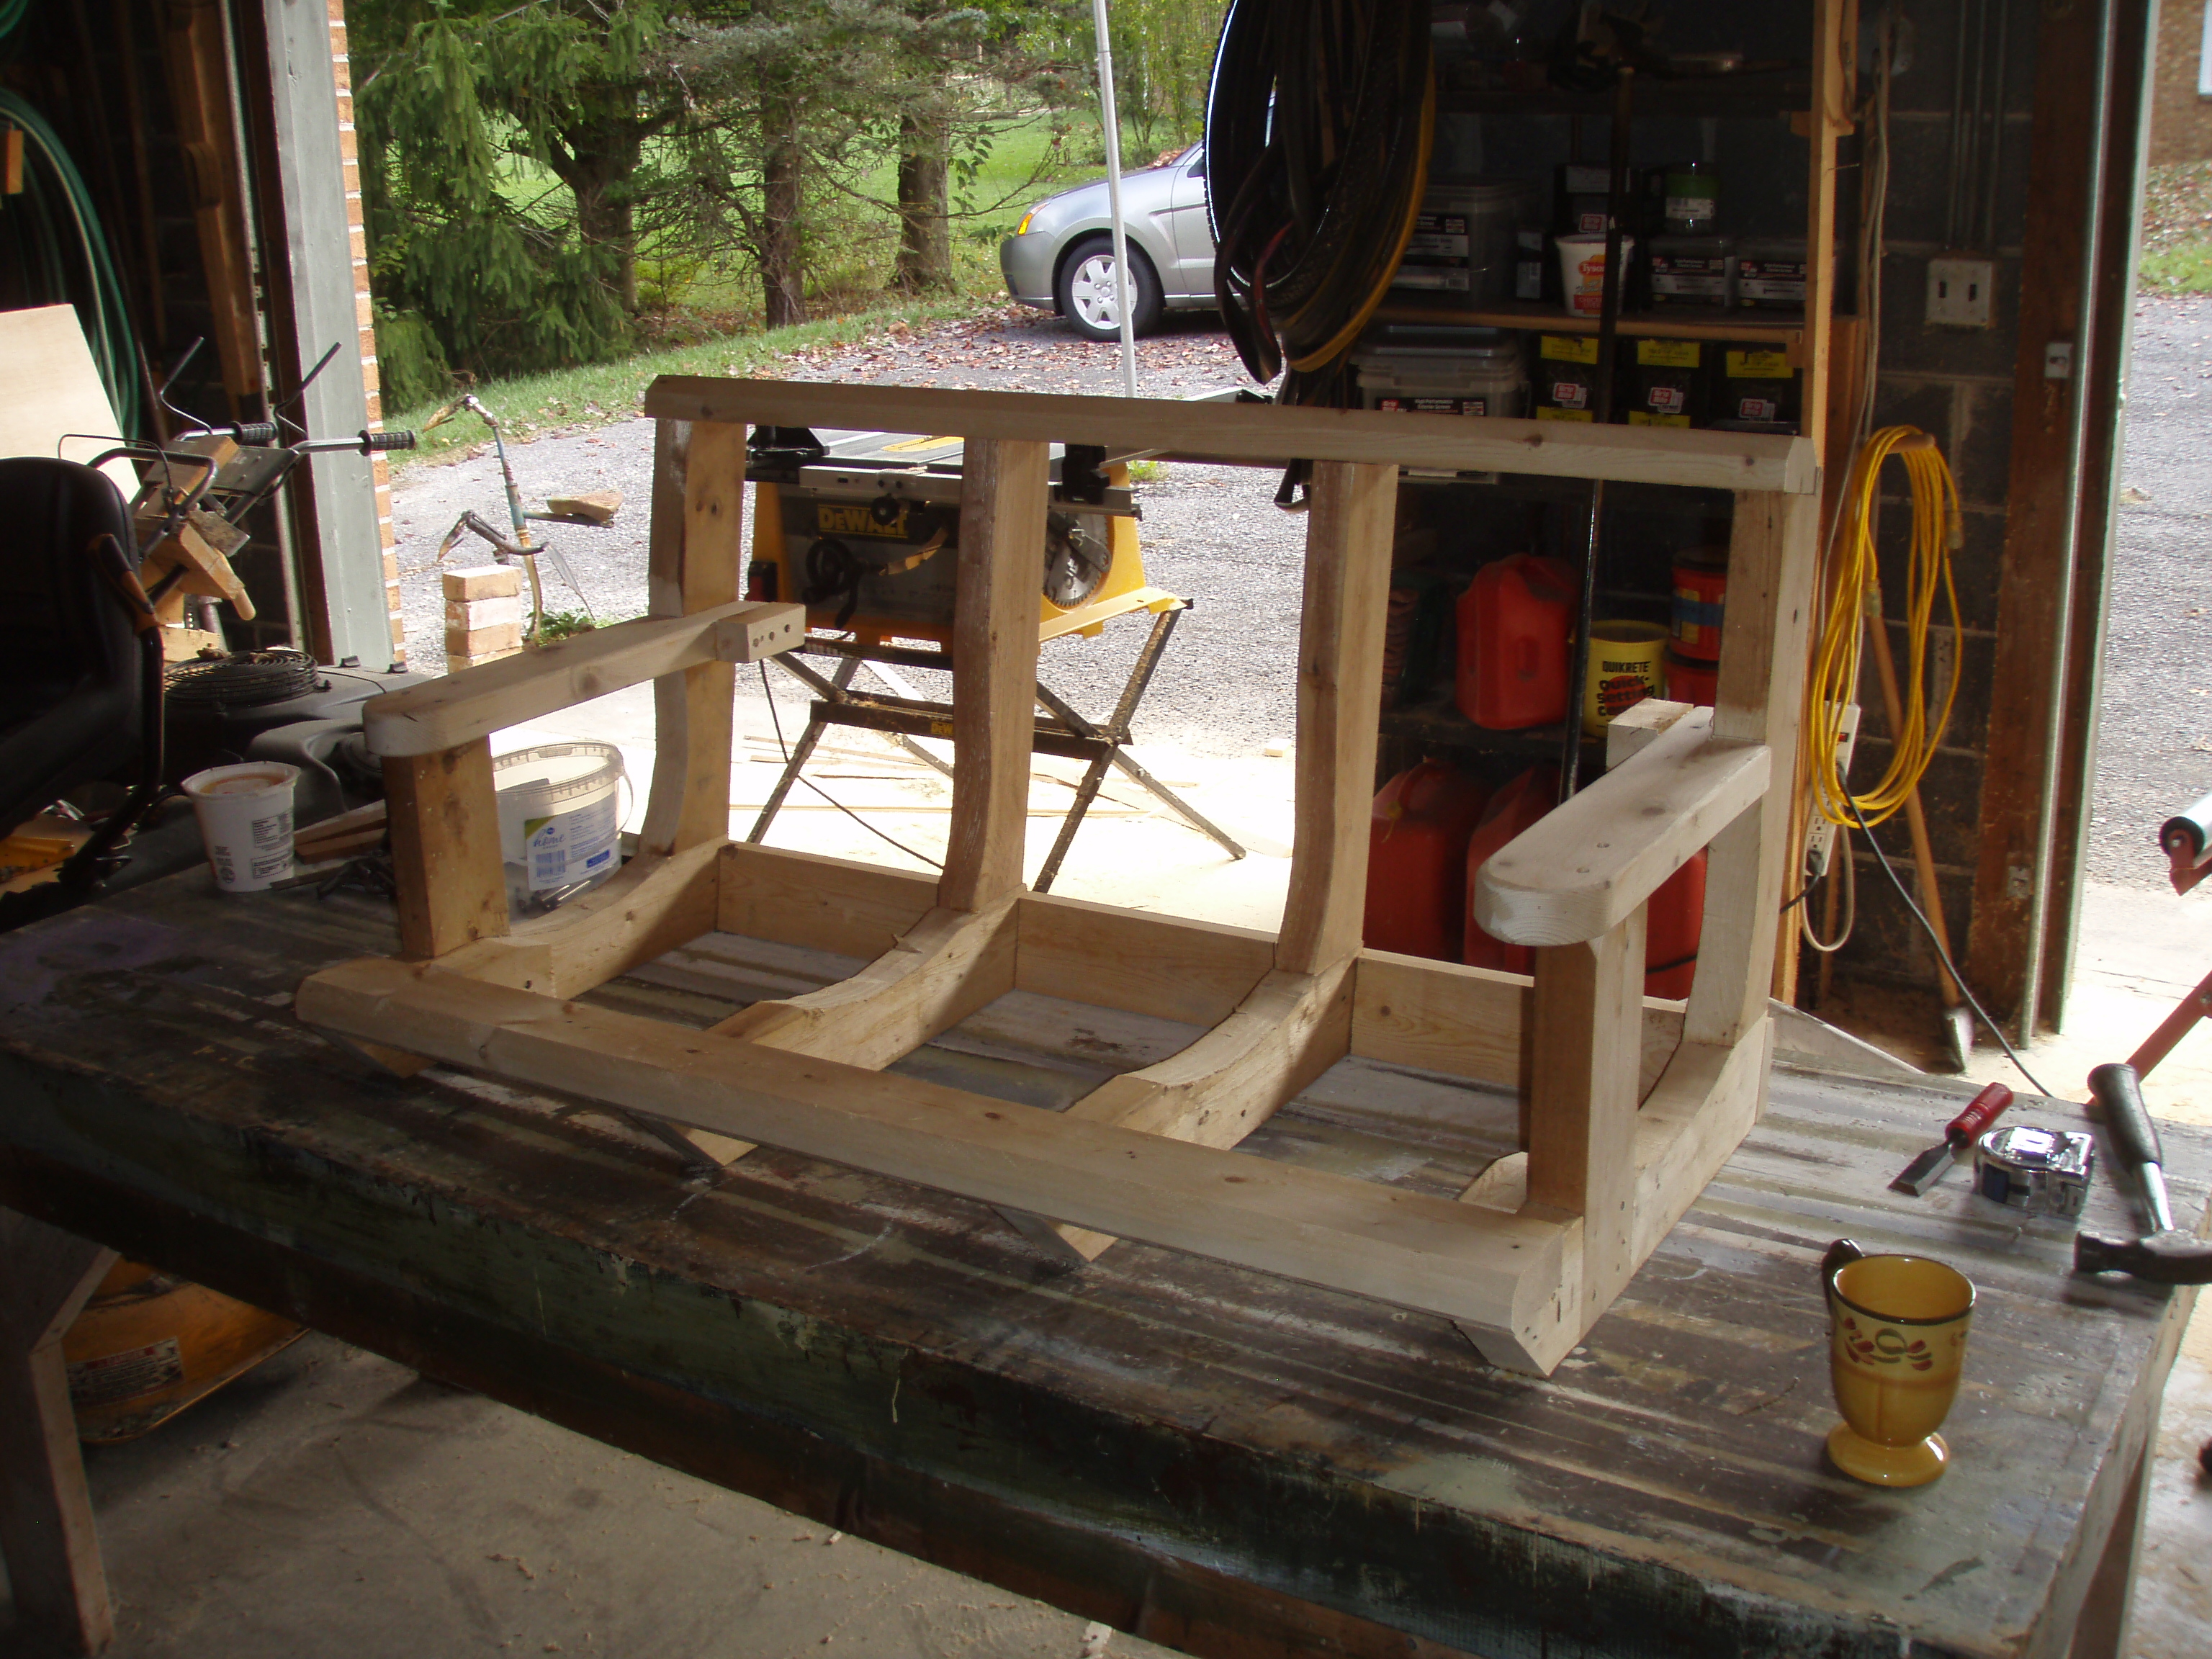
[1061, 258]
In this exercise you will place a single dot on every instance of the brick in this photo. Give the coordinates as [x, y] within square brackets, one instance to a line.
[467, 615]
[459, 660]
[487, 581]
[483, 642]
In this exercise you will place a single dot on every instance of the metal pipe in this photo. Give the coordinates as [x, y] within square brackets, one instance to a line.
[1958, 129]
[1125, 285]
[1988, 240]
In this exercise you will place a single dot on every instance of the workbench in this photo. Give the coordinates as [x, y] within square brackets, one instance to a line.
[1212, 1458]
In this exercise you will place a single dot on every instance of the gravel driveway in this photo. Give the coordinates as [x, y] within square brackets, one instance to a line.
[1211, 534]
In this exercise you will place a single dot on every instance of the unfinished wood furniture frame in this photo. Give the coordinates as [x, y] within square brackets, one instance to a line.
[1540, 1245]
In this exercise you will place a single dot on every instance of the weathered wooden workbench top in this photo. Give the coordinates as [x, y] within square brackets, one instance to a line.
[1218, 1460]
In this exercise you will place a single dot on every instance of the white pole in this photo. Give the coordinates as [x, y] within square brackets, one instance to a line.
[1125, 286]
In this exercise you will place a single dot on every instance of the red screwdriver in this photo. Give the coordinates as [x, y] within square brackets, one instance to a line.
[1932, 1166]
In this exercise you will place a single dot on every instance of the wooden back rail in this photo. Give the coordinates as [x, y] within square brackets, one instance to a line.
[1629, 1105]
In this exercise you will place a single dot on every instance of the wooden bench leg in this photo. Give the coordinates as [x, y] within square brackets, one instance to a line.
[46, 1530]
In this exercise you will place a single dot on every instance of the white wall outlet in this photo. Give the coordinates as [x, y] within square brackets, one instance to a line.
[1959, 292]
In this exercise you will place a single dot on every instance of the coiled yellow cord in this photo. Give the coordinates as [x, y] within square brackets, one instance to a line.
[1853, 600]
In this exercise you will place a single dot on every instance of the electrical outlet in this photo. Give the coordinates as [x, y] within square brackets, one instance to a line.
[1820, 834]
[1959, 292]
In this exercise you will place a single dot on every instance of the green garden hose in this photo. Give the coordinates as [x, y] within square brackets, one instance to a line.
[62, 221]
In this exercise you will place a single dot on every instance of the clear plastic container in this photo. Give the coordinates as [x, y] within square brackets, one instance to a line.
[1472, 371]
[559, 818]
[1465, 240]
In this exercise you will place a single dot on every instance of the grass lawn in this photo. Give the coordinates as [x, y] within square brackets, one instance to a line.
[2177, 246]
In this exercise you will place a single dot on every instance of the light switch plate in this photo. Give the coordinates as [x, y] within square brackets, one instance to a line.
[1959, 292]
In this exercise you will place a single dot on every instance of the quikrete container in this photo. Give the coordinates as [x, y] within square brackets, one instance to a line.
[1417, 860]
[1769, 273]
[1700, 602]
[1516, 620]
[559, 817]
[1566, 377]
[1667, 386]
[1464, 242]
[1444, 370]
[1625, 666]
[1693, 270]
[1755, 391]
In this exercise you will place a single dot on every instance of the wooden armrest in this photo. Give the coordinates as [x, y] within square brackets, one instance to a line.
[427, 720]
[1581, 869]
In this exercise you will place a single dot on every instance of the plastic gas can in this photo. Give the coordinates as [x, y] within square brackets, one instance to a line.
[1673, 921]
[1417, 860]
[1512, 810]
[1516, 621]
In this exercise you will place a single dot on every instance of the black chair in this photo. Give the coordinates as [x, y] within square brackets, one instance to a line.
[75, 703]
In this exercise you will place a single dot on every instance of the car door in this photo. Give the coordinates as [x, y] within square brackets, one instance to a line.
[1193, 236]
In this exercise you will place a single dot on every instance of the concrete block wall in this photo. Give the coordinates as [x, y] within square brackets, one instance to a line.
[357, 238]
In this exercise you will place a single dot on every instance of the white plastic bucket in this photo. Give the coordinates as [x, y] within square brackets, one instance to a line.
[559, 817]
[246, 822]
[1582, 271]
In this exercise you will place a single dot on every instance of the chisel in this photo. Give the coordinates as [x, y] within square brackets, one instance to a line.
[1932, 1166]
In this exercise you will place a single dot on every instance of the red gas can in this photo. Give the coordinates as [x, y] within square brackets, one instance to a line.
[1517, 622]
[1672, 921]
[1417, 860]
[1513, 809]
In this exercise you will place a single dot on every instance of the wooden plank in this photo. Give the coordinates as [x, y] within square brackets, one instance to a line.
[945, 967]
[690, 804]
[843, 905]
[654, 903]
[1347, 581]
[1003, 485]
[1835, 51]
[475, 702]
[1266, 435]
[1492, 1273]
[1770, 564]
[1587, 865]
[49, 387]
[445, 849]
[1284, 1035]
[1582, 1100]
[196, 55]
[47, 1533]
[1695, 1116]
[1167, 966]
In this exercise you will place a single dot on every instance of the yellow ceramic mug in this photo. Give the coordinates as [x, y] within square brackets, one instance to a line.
[1897, 1338]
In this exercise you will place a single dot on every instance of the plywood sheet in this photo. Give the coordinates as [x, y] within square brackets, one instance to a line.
[49, 386]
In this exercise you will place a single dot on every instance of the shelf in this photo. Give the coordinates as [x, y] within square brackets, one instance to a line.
[1439, 724]
[1785, 329]
[1753, 93]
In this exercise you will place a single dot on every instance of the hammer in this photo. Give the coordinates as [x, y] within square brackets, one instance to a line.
[2165, 1255]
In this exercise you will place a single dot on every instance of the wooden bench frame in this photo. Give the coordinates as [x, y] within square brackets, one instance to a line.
[1539, 1245]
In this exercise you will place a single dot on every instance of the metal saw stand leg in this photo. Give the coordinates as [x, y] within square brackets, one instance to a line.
[1114, 734]
[832, 688]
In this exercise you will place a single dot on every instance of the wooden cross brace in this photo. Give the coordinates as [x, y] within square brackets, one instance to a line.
[1630, 1104]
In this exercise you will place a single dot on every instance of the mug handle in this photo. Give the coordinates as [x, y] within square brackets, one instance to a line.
[1841, 1254]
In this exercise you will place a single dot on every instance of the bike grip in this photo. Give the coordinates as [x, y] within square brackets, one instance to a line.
[1984, 1110]
[375, 442]
[254, 432]
[2119, 1092]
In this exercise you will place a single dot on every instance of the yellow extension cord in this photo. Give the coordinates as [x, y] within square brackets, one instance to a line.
[1854, 598]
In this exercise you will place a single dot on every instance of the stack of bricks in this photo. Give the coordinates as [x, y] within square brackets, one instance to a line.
[483, 615]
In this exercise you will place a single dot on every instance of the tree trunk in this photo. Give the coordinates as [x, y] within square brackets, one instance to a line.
[782, 251]
[606, 219]
[925, 254]
[600, 170]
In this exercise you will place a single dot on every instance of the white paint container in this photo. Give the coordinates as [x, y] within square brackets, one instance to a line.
[559, 816]
[1582, 271]
[245, 815]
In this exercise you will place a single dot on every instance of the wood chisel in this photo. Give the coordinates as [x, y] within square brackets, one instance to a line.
[1958, 1134]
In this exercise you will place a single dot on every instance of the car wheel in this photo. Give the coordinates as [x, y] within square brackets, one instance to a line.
[1090, 297]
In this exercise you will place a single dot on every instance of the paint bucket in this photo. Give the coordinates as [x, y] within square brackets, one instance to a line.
[1700, 599]
[246, 822]
[1582, 269]
[1692, 680]
[559, 815]
[1625, 666]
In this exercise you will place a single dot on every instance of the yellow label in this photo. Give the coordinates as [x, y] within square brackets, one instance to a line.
[1568, 349]
[918, 443]
[1645, 418]
[1565, 414]
[848, 519]
[941, 728]
[1667, 354]
[1758, 366]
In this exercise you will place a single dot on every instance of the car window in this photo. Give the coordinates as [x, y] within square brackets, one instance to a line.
[1197, 168]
